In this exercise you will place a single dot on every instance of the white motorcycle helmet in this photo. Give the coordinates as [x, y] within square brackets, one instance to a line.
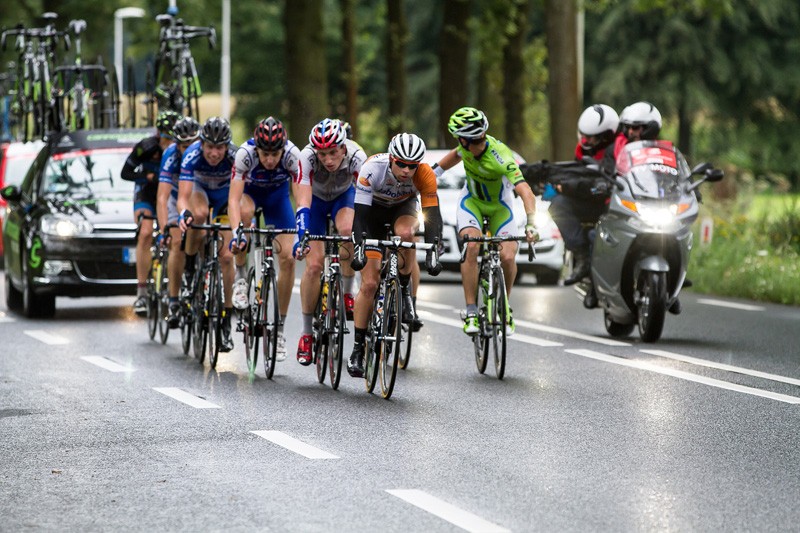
[597, 125]
[642, 114]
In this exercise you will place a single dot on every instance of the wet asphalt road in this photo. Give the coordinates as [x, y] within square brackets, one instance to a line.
[696, 432]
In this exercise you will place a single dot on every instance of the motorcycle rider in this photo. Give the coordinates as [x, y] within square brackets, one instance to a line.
[582, 199]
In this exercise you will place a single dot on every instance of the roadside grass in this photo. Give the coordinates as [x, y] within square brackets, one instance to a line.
[755, 250]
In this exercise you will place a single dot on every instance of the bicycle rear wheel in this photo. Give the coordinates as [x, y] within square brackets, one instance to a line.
[249, 320]
[163, 304]
[152, 301]
[214, 306]
[499, 318]
[318, 347]
[270, 322]
[405, 349]
[480, 340]
[200, 319]
[391, 334]
[187, 321]
[335, 328]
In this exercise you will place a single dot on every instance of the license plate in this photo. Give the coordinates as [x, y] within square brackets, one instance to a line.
[129, 256]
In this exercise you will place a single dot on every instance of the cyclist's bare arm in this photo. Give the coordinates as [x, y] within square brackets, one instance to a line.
[450, 160]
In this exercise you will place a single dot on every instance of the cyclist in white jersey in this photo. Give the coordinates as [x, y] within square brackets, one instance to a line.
[329, 165]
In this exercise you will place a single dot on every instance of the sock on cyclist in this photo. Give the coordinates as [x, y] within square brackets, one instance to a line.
[360, 335]
[283, 321]
[347, 284]
[308, 320]
[241, 271]
[141, 289]
[472, 309]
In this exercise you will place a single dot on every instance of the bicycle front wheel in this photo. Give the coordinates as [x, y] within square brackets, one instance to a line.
[499, 318]
[270, 321]
[319, 347]
[373, 344]
[480, 340]
[405, 348]
[152, 301]
[214, 307]
[336, 324]
[391, 334]
[200, 319]
[163, 305]
[250, 323]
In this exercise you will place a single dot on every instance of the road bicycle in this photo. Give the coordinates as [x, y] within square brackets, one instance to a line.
[206, 295]
[492, 299]
[158, 288]
[386, 336]
[177, 85]
[261, 320]
[330, 318]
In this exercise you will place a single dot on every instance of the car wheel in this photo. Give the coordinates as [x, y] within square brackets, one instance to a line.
[13, 296]
[35, 305]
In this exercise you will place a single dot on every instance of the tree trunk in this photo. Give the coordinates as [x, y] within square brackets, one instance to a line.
[396, 66]
[684, 125]
[514, 76]
[306, 72]
[563, 87]
[453, 64]
[349, 53]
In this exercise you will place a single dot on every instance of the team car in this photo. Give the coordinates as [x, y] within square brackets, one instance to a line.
[69, 228]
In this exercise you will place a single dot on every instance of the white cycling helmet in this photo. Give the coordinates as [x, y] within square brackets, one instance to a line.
[598, 122]
[407, 147]
[642, 114]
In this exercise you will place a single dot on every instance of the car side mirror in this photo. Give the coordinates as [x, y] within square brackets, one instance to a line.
[11, 193]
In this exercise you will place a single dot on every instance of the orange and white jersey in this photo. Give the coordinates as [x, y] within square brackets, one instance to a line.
[377, 185]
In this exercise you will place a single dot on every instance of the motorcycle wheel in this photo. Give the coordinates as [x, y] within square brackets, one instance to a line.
[615, 329]
[652, 305]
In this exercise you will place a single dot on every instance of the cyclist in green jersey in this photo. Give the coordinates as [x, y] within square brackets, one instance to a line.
[493, 177]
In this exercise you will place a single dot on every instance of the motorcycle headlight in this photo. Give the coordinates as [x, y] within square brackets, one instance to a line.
[65, 227]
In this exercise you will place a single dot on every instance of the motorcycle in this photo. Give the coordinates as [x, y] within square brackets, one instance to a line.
[641, 245]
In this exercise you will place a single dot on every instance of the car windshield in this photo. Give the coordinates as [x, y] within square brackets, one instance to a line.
[84, 173]
[653, 169]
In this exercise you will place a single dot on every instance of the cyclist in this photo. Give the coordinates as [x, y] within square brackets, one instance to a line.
[329, 165]
[386, 193]
[142, 168]
[492, 178]
[265, 165]
[206, 169]
[185, 131]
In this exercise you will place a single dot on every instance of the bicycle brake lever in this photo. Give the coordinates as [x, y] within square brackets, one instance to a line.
[531, 252]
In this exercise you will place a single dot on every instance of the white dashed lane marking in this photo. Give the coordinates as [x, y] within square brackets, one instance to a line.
[446, 511]
[294, 445]
[642, 365]
[732, 305]
[47, 338]
[106, 364]
[184, 397]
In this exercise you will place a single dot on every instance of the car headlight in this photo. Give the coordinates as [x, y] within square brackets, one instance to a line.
[65, 227]
[542, 218]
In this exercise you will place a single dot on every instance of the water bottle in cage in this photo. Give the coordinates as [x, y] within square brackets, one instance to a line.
[324, 296]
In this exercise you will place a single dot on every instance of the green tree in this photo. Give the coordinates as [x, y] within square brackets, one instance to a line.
[453, 63]
[396, 41]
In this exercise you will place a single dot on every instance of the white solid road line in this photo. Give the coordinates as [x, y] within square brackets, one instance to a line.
[427, 315]
[446, 511]
[106, 364]
[722, 366]
[732, 305]
[47, 338]
[184, 397]
[641, 365]
[294, 445]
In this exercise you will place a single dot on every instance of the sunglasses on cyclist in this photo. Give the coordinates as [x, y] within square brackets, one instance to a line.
[464, 141]
[403, 164]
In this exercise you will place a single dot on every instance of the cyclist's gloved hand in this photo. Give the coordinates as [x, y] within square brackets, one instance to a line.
[432, 263]
[184, 219]
[531, 233]
[359, 261]
[300, 249]
[301, 220]
[238, 243]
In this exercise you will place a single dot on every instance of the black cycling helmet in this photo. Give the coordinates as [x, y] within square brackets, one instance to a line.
[216, 130]
[186, 129]
[166, 120]
[270, 135]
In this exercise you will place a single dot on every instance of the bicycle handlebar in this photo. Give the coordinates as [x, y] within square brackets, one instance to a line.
[497, 240]
[397, 244]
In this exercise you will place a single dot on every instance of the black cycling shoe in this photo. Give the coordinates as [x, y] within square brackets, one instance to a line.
[409, 313]
[416, 324]
[174, 317]
[355, 366]
[225, 342]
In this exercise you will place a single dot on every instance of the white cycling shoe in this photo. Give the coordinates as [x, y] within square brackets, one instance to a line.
[240, 294]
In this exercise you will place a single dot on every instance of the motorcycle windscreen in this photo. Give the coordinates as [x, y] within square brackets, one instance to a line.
[653, 169]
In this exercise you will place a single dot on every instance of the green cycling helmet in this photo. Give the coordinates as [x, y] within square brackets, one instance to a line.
[469, 123]
[166, 120]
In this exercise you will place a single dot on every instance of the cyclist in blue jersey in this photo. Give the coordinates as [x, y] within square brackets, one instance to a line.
[185, 131]
[265, 166]
[206, 169]
[142, 168]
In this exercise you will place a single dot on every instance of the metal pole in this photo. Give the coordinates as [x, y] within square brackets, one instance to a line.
[118, 51]
[225, 63]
